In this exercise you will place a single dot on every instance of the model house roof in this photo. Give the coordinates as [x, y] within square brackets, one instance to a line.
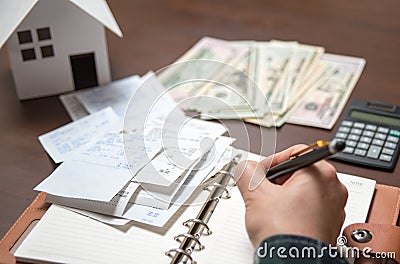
[12, 13]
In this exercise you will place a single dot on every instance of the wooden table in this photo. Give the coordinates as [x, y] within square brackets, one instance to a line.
[157, 32]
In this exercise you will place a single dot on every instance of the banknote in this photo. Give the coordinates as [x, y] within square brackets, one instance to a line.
[266, 83]
[285, 82]
[237, 94]
[323, 103]
[302, 58]
[202, 62]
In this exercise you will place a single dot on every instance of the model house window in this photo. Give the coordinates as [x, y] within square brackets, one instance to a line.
[47, 51]
[43, 35]
[28, 54]
[24, 37]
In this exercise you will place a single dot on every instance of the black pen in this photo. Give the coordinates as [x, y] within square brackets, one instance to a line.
[307, 159]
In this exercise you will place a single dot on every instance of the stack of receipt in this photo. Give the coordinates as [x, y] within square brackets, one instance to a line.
[116, 166]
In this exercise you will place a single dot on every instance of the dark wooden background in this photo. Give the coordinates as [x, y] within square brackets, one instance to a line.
[156, 33]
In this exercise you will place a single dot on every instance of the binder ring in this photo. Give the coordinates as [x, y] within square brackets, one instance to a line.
[226, 172]
[218, 185]
[235, 160]
[192, 237]
[198, 221]
[230, 174]
[180, 251]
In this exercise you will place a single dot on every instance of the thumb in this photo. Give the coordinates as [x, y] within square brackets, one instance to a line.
[250, 175]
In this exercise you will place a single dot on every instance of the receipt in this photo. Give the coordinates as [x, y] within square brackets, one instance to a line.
[60, 142]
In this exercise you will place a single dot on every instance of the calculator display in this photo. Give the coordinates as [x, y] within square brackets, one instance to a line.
[375, 118]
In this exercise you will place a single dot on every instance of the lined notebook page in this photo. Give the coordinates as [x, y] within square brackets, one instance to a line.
[229, 242]
[63, 236]
[361, 191]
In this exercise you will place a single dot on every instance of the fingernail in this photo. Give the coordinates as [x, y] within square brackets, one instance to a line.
[256, 178]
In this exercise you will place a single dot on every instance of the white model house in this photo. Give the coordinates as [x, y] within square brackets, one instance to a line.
[56, 46]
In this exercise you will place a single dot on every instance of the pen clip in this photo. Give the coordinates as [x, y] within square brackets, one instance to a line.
[318, 144]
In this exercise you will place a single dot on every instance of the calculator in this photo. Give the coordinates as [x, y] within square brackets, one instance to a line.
[371, 131]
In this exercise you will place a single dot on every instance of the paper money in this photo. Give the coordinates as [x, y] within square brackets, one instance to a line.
[265, 83]
[284, 82]
[202, 62]
[301, 58]
[323, 103]
[238, 94]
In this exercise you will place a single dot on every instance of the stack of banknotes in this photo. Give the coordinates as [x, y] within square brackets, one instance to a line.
[266, 83]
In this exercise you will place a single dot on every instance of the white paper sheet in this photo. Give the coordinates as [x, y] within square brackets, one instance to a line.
[151, 102]
[77, 179]
[173, 162]
[361, 191]
[115, 94]
[161, 197]
[74, 108]
[68, 138]
[110, 150]
[114, 208]
[110, 220]
[99, 170]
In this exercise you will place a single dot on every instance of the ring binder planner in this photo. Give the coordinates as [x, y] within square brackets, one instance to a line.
[63, 236]
[198, 225]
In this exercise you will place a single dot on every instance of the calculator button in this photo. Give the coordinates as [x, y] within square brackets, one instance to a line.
[341, 135]
[366, 139]
[385, 157]
[373, 152]
[368, 133]
[390, 145]
[362, 145]
[351, 143]
[356, 131]
[378, 142]
[353, 137]
[380, 136]
[383, 130]
[344, 129]
[360, 152]
[395, 133]
[393, 139]
[388, 151]
[348, 150]
[347, 123]
[370, 127]
[359, 125]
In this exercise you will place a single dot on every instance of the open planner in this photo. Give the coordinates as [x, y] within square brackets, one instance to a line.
[210, 230]
[85, 240]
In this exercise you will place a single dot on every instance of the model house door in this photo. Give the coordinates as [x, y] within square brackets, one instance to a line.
[83, 70]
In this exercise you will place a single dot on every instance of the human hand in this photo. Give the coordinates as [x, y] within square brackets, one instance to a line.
[309, 203]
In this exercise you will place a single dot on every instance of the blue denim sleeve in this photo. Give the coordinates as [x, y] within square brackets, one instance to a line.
[296, 249]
